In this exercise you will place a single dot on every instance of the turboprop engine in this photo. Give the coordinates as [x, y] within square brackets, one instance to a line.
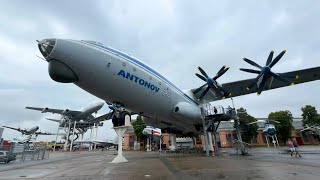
[65, 112]
[186, 110]
[44, 110]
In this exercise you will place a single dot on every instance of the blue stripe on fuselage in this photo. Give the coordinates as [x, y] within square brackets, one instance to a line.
[140, 64]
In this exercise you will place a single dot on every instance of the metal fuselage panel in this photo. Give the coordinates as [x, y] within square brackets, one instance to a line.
[32, 130]
[115, 78]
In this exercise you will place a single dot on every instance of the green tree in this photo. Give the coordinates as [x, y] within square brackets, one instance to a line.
[138, 126]
[285, 127]
[247, 131]
[310, 115]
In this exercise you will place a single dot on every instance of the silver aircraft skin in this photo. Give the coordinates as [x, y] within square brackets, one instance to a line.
[119, 78]
[84, 114]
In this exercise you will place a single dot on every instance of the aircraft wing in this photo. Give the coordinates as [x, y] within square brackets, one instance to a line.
[43, 133]
[239, 88]
[69, 113]
[307, 128]
[102, 118]
[54, 120]
[16, 129]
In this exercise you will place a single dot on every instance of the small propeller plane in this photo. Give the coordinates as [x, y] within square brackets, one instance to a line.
[269, 130]
[132, 87]
[31, 131]
[315, 130]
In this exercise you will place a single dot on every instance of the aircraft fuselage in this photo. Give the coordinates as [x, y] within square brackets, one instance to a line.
[117, 77]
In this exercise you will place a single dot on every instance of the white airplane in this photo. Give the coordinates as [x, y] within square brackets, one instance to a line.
[84, 114]
[31, 131]
[312, 129]
[269, 128]
[128, 84]
[149, 130]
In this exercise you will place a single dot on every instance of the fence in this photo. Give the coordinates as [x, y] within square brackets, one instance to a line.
[24, 152]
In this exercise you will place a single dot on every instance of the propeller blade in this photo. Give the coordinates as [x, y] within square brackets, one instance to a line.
[222, 68]
[250, 71]
[254, 82]
[203, 73]
[269, 58]
[201, 77]
[199, 89]
[261, 87]
[204, 92]
[275, 61]
[252, 63]
[280, 78]
[221, 73]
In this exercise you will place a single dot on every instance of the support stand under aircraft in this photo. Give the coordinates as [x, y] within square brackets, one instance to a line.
[211, 118]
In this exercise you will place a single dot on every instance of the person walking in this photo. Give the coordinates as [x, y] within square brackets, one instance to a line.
[296, 147]
[291, 147]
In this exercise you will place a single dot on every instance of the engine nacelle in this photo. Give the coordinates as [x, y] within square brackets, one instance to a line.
[187, 110]
[65, 112]
[44, 110]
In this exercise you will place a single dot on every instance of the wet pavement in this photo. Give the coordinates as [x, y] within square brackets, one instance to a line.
[263, 163]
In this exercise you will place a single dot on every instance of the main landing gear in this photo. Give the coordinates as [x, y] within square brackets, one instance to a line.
[120, 116]
[121, 119]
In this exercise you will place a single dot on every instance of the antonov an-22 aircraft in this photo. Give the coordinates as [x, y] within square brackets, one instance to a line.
[131, 87]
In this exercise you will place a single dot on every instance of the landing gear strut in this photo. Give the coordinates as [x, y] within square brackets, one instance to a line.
[121, 119]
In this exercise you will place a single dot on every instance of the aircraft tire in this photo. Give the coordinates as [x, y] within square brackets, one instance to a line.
[115, 121]
[125, 119]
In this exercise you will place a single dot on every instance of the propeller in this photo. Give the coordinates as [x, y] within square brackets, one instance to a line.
[265, 72]
[211, 82]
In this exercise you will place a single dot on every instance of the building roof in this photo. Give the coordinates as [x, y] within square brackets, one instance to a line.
[229, 126]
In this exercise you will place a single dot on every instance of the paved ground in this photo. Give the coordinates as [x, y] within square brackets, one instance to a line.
[262, 164]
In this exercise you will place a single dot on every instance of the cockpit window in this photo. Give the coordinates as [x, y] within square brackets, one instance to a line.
[46, 46]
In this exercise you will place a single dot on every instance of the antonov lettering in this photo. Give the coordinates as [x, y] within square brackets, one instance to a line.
[138, 80]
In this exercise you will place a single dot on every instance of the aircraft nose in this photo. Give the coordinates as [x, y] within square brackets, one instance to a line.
[46, 46]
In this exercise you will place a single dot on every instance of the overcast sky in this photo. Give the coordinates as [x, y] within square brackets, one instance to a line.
[173, 37]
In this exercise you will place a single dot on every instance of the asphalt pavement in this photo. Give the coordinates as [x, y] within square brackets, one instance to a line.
[262, 163]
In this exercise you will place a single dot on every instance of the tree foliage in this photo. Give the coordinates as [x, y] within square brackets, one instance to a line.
[310, 115]
[247, 131]
[138, 126]
[285, 127]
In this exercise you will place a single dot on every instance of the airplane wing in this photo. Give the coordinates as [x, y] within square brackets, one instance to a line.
[239, 88]
[69, 113]
[54, 120]
[102, 118]
[307, 128]
[16, 129]
[43, 133]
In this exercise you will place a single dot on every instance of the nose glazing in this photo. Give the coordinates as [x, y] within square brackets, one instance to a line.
[46, 46]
